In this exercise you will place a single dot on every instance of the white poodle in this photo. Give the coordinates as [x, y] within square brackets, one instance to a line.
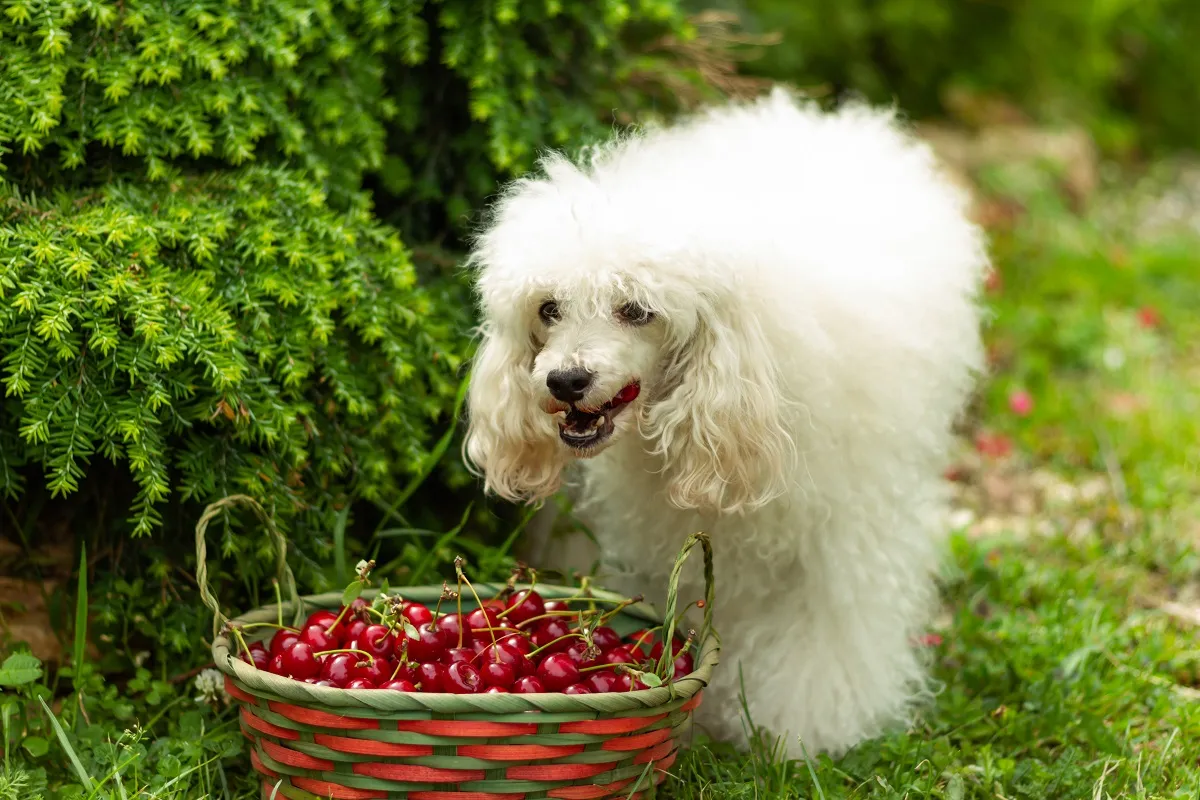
[760, 322]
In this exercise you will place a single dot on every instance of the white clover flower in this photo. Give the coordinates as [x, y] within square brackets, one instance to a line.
[211, 687]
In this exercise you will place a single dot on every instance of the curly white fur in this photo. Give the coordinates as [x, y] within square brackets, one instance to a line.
[814, 279]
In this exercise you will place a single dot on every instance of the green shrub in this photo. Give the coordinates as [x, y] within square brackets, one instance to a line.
[177, 296]
[1127, 69]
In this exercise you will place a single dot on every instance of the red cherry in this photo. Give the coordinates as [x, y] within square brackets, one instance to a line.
[282, 640]
[605, 638]
[556, 605]
[624, 683]
[479, 646]
[358, 608]
[517, 641]
[318, 637]
[641, 640]
[276, 665]
[528, 685]
[323, 682]
[258, 646]
[313, 681]
[497, 673]
[551, 630]
[260, 658]
[451, 626]
[376, 640]
[428, 644]
[376, 671]
[577, 652]
[479, 620]
[463, 678]
[431, 677]
[398, 685]
[602, 681]
[406, 671]
[495, 690]
[323, 618]
[557, 671]
[353, 631]
[577, 688]
[618, 656]
[525, 604]
[657, 650]
[339, 668]
[456, 654]
[300, 662]
[683, 665]
[360, 683]
[416, 613]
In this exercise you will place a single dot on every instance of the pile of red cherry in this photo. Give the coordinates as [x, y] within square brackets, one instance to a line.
[524, 645]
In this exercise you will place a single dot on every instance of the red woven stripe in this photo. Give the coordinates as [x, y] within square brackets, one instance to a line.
[416, 774]
[614, 725]
[370, 747]
[518, 752]
[691, 704]
[466, 727]
[589, 792]
[269, 792]
[256, 762]
[262, 726]
[462, 796]
[335, 791]
[555, 772]
[322, 719]
[232, 690]
[655, 753]
[639, 742]
[293, 759]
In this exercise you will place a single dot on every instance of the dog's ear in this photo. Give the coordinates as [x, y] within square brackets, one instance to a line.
[721, 428]
[509, 441]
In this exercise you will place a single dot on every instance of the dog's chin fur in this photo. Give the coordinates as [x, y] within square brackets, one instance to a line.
[815, 278]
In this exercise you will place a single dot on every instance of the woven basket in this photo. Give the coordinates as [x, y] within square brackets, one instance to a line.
[311, 742]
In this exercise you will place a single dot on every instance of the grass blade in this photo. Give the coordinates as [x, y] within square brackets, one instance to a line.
[76, 764]
[339, 545]
[81, 609]
[431, 461]
[431, 553]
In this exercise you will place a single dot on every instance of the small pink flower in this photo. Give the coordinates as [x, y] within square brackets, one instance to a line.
[1021, 403]
[1148, 317]
[931, 640]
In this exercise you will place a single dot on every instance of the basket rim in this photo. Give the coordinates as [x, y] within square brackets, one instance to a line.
[372, 703]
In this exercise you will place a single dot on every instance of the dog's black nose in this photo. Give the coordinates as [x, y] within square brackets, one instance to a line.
[569, 385]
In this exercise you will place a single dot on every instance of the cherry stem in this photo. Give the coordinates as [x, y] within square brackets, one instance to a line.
[280, 626]
[646, 636]
[551, 615]
[606, 616]
[462, 577]
[552, 642]
[370, 658]
[337, 619]
[596, 667]
[237, 634]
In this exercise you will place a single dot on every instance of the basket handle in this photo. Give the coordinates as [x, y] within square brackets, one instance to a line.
[282, 570]
[701, 538]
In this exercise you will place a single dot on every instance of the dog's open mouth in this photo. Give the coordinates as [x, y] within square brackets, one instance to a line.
[583, 429]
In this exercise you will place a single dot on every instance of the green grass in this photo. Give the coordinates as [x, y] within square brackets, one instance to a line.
[1065, 670]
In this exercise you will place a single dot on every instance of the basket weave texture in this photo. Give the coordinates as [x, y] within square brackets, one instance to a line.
[311, 742]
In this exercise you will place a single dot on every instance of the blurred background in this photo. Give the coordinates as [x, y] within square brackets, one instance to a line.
[230, 247]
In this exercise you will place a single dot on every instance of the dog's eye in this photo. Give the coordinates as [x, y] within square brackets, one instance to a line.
[635, 314]
[549, 312]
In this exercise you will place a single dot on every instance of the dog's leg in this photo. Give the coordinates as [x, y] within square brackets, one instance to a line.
[823, 640]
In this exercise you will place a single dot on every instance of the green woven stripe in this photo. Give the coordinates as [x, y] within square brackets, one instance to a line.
[624, 768]
[406, 737]
[448, 761]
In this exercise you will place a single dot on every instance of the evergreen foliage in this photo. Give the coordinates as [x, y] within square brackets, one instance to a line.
[201, 275]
